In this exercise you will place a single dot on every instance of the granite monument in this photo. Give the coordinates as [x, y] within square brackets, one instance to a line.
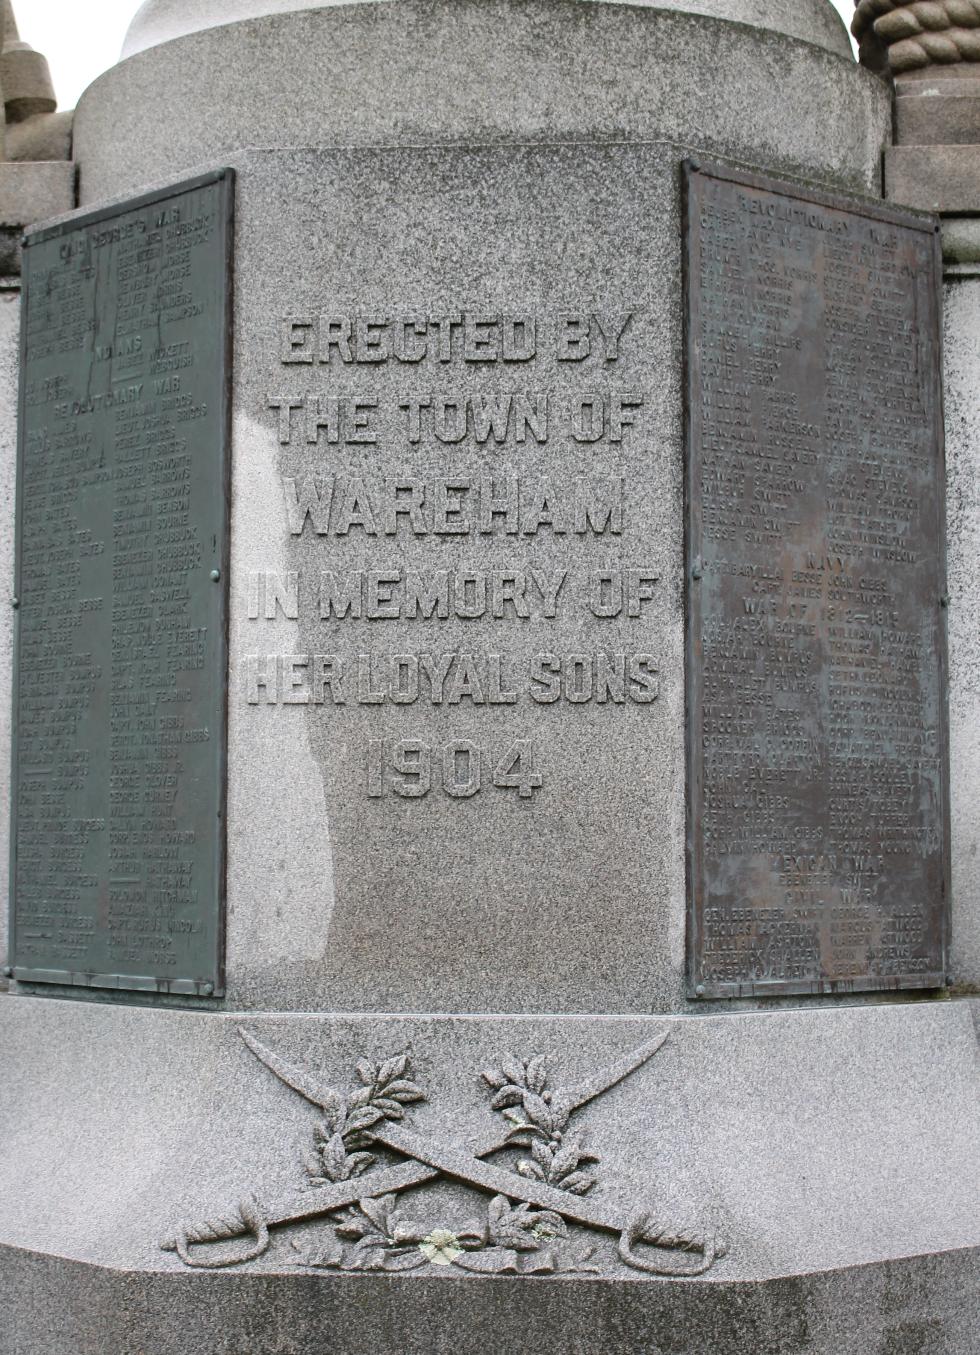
[494, 752]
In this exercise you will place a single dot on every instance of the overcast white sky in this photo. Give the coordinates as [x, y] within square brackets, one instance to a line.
[82, 38]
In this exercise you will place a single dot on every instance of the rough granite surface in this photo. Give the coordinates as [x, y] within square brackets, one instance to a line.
[835, 1150]
[571, 897]
[931, 116]
[812, 20]
[919, 1306]
[934, 178]
[962, 375]
[811, 1141]
[46, 136]
[35, 190]
[426, 71]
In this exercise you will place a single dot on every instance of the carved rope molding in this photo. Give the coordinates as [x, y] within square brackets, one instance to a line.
[917, 33]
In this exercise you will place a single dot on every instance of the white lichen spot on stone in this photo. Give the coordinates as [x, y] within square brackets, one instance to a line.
[441, 1247]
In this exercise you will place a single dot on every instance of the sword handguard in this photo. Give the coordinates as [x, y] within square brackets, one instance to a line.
[707, 1249]
[248, 1220]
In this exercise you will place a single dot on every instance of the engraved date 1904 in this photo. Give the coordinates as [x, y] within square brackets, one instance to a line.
[411, 768]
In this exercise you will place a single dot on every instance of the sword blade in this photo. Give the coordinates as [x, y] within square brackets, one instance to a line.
[430, 1157]
[309, 1087]
[301, 1205]
[456, 1162]
[309, 1204]
[585, 1091]
[307, 1084]
[616, 1072]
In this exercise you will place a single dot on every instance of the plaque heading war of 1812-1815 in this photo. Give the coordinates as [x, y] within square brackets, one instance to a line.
[816, 636]
[119, 702]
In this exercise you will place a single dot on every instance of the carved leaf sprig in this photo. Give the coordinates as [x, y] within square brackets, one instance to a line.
[515, 1240]
[510, 1240]
[539, 1124]
[384, 1238]
[560, 1164]
[343, 1134]
[328, 1257]
[520, 1227]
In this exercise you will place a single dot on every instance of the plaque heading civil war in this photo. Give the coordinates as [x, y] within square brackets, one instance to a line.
[117, 873]
[817, 779]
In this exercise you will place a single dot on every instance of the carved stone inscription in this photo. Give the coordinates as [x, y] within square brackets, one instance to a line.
[120, 677]
[455, 630]
[817, 777]
[538, 545]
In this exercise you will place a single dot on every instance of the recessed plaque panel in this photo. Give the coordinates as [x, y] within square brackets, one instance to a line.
[120, 678]
[816, 639]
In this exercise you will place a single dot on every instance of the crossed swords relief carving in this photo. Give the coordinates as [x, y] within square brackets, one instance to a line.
[549, 1187]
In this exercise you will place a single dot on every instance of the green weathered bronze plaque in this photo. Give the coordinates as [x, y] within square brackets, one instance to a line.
[817, 775]
[117, 872]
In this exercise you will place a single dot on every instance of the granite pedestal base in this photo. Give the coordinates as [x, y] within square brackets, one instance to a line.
[830, 1157]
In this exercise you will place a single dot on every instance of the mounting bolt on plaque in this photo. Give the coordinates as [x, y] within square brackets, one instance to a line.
[215, 575]
[697, 569]
[944, 599]
[15, 603]
[8, 971]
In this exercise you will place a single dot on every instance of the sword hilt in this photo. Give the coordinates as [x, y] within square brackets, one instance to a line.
[247, 1220]
[706, 1249]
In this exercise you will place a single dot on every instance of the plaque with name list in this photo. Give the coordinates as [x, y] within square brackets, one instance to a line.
[118, 819]
[818, 856]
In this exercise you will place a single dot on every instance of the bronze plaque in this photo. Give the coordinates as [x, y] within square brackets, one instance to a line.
[817, 776]
[117, 873]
